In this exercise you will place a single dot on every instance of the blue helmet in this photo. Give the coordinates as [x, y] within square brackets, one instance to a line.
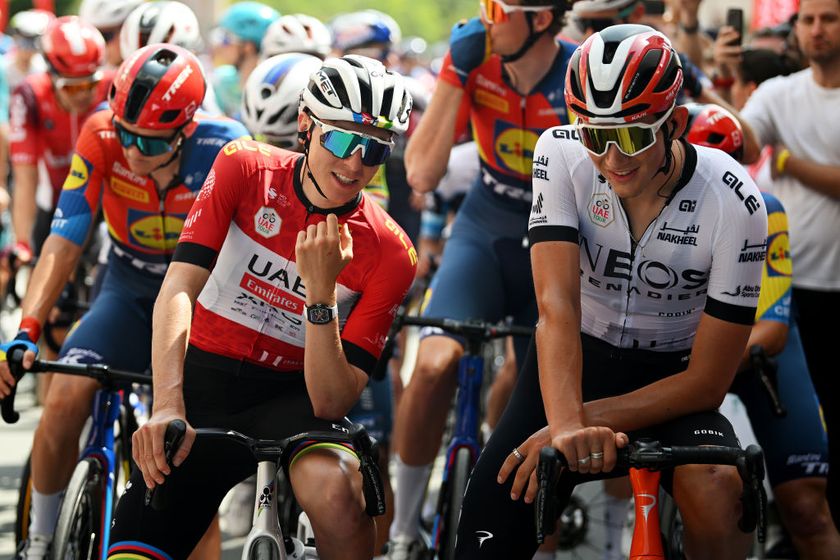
[363, 29]
[248, 20]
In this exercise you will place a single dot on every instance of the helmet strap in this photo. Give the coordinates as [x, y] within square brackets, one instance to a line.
[309, 174]
[532, 38]
[669, 141]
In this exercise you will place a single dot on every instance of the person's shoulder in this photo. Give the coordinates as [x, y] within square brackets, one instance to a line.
[392, 242]
[719, 178]
[220, 128]
[252, 156]
[772, 203]
[782, 85]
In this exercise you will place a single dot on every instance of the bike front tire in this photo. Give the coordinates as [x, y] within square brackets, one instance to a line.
[456, 488]
[77, 534]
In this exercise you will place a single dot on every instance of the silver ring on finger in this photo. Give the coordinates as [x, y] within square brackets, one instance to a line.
[597, 455]
[584, 461]
[519, 456]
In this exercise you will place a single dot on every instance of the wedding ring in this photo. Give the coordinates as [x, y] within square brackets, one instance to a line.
[597, 455]
[519, 456]
[584, 461]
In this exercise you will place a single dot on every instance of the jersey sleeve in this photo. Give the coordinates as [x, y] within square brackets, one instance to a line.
[24, 144]
[739, 246]
[207, 224]
[775, 297]
[364, 334]
[554, 215]
[82, 189]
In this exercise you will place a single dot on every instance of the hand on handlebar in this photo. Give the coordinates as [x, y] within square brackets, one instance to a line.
[148, 446]
[590, 450]
[7, 380]
[526, 468]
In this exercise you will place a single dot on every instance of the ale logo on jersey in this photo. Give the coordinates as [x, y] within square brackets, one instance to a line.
[79, 173]
[515, 149]
[267, 222]
[600, 210]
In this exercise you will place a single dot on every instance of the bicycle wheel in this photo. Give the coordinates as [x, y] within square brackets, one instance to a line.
[24, 503]
[77, 534]
[455, 489]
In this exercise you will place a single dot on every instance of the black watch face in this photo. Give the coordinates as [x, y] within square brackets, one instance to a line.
[320, 315]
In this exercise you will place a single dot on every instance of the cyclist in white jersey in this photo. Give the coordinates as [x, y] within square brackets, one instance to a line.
[647, 256]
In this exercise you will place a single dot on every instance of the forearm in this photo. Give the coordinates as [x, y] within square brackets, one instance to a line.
[560, 365]
[171, 332]
[23, 201]
[770, 335]
[333, 384]
[427, 153]
[824, 179]
[55, 265]
[659, 402]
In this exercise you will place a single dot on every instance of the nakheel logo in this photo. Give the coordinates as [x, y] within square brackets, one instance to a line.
[267, 222]
[601, 210]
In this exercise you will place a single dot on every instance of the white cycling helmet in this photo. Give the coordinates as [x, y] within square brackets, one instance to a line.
[358, 89]
[159, 22]
[297, 33]
[270, 100]
[365, 28]
[103, 14]
[30, 24]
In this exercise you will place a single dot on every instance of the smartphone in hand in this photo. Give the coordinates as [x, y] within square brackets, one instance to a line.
[735, 19]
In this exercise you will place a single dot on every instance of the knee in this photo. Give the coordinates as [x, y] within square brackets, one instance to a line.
[434, 368]
[709, 501]
[336, 506]
[67, 405]
[804, 508]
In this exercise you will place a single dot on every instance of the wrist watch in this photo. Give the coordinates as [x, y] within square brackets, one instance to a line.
[320, 314]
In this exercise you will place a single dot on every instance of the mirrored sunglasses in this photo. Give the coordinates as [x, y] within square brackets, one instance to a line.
[148, 145]
[496, 11]
[343, 143]
[630, 140]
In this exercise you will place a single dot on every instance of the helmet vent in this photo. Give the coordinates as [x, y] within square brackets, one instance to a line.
[715, 138]
[604, 99]
[169, 116]
[338, 86]
[647, 68]
[135, 101]
[276, 117]
[670, 75]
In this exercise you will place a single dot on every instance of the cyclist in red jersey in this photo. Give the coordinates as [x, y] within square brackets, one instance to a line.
[142, 162]
[46, 116]
[297, 276]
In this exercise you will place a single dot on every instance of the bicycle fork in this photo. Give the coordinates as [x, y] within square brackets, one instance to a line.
[465, 432]
[647, 540]
[100, 445]
[265, 533]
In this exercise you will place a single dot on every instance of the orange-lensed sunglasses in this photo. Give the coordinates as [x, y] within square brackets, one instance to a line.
[496, 11]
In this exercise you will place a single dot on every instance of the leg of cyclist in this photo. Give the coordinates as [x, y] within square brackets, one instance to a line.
[502, 386]
[795, 450]
[328, 486]
[100, 337]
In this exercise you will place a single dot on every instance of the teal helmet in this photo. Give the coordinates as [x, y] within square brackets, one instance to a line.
[248, 20]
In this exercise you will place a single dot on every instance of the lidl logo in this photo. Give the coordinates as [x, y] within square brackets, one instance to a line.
[778, 255]
[515, 149]
[155, 233]
[79, 173]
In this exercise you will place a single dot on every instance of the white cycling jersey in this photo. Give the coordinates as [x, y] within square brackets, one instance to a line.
[703, 253]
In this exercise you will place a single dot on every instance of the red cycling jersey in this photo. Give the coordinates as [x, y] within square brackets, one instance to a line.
[144, 219]
[506, 124]
[246, 218]
[44, 133]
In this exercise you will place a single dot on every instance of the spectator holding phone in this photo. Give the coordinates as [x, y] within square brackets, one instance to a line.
[789, 113]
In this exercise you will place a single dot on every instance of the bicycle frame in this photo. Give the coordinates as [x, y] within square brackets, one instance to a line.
[647, 540]
[100, 446]
[465, 434]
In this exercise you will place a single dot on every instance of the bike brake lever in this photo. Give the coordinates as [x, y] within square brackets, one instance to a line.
[157, 497]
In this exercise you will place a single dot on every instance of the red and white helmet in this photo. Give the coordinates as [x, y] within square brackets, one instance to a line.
[159, 22]
[296, 33]
[713, 126]
[159, 87]
[73, 48]
[622, 74]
